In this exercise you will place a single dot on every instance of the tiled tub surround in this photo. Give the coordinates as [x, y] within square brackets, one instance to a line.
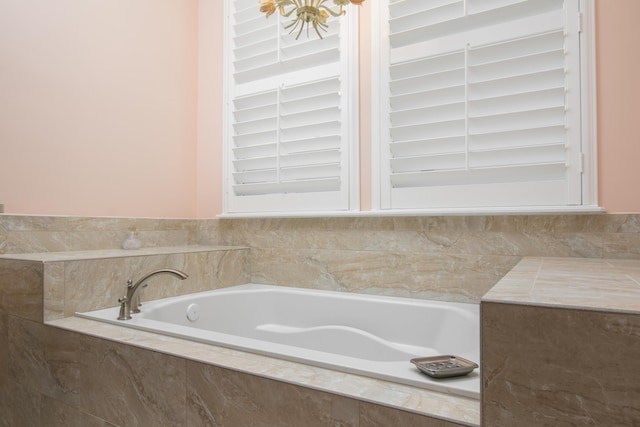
[21, 234]
[453, 258]
[94, 374]
[68, 282]
[53, 375]
[73, 371]
[450, 258]
[128, 375]
[561, 344]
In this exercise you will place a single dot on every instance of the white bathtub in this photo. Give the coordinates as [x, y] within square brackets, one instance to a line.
[362, 334]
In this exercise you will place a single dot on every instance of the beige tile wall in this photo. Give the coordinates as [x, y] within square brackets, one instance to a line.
[559, 367]
[41, 289]
[21, 289]
[4, 348]
[457, 258]
[108, 277]
[450, 258]
[34, 234]
[53, 377]
[62, 378]
[560, 344]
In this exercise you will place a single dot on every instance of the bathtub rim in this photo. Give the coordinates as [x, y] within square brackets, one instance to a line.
[405, 374]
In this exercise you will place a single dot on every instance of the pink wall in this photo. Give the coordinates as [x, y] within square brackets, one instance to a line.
[98, 106]
[618, 86]
[114, 107]
[210, 114]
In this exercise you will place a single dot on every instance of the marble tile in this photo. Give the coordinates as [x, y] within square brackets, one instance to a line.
[44, 359]
[505, 243]
[452, 258]
[378, 416]
[329, 233]
[19, 406]
[15, 223]
[623, 223]
[125, 385]
[99, 283]
[4, 236]
[549, 366]
[21, 288]
[25, 234]
[25, 352]
[420, 401]
[4, 348]
[498, 235]
[229, 268]
[93, 284]
[615, 293]
[472, 253]
[560, 223]
[53, 288]
[223, 397]
[63, 353]
[98, 254]
[462, 278]
[208, 232]
[630, 267]
[432, 406]
[469, 242]
[54, 413]
[622, 245]
[598, 284]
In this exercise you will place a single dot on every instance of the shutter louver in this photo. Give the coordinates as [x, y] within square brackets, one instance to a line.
[288, 120]
[477, 103]
[302, 153]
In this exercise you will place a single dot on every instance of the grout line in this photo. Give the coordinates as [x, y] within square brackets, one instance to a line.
[633, 280]
[535, 279]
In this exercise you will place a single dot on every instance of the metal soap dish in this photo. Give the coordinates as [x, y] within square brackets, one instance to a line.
[444, 366]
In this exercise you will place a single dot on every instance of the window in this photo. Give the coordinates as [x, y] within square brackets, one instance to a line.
[481, 103]
[291, 114]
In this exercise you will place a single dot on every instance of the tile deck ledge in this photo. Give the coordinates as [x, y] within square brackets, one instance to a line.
[114, 253]
[610, 285]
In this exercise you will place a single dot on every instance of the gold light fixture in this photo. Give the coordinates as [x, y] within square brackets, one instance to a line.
[308, 13]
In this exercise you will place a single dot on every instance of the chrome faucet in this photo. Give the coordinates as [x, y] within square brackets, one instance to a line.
[130, 302]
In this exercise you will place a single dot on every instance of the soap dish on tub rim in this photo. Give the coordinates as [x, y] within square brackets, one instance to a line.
[444, 366]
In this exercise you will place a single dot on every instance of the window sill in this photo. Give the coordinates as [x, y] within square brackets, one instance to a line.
[529, 210]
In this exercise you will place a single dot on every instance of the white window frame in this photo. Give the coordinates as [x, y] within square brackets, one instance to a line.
[588, 202]
[312, 203]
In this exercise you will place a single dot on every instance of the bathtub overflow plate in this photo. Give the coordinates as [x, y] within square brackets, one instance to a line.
[193, 312]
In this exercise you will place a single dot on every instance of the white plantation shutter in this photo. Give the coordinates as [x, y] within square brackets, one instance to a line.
[289, 114]
[480, 104]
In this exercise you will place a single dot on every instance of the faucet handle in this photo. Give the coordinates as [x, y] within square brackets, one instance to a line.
[124, 302]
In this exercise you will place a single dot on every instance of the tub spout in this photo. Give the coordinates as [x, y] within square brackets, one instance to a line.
[130, 301]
